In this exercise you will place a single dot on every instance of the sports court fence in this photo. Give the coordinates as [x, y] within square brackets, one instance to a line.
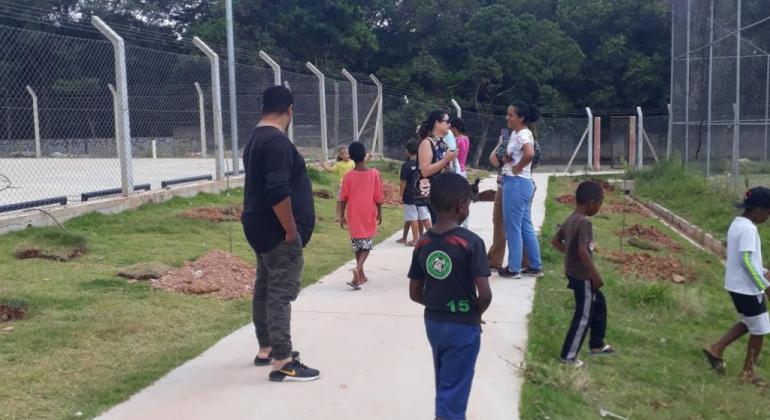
[720, 85]
[92, 113]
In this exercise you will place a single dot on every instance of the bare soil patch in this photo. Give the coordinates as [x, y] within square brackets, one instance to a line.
[144, 271]
[629, 207]
[54, 245]
[391, 193]
[650, 234]
[325, 194]
[652, 267]
[568, 199]
[214, 214]
[216, 273]
[13, 310]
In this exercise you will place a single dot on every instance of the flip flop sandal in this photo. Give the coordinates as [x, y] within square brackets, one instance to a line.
[400, 241]
[410, 243]
[716, 363]
[606, 349]
[354, 285]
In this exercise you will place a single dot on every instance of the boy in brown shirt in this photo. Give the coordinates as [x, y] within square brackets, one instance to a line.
[575, 240]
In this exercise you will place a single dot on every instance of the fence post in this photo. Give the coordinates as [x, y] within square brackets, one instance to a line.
[232, 89]
[639, 138]
[670, 132]
[378, 127]
[736, 147]
[36, 121]
[632, 141]
[590, 137]
[597, 153]
[670, 138]
[116, 111]
[710, 88]
[121, 81]
[273, 65]
[322, 108]
[737, 105]
[202, 118]
[767, 103]
[457, 108]
[336, 128]
[216, 99]
[687, 90]
[354, 97]
[291, 123]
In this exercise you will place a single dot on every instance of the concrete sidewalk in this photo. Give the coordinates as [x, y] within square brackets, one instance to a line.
[370, 346]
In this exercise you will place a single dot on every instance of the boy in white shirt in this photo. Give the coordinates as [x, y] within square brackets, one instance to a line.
[747, 281]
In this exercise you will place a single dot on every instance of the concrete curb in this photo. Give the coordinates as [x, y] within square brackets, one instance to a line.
[36, 217]
[693, 232]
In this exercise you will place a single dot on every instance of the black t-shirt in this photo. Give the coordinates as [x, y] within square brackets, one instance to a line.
[274, 171]
[449, 262]
[408, 174]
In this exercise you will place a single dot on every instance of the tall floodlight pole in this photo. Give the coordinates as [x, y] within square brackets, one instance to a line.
[231, 80]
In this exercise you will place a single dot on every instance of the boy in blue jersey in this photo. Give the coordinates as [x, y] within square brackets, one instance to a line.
[449, 275]
[747, 282]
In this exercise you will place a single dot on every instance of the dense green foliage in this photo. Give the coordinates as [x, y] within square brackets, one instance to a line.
[561, 54]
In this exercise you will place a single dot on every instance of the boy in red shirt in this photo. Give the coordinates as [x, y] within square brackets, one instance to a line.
[362, 197]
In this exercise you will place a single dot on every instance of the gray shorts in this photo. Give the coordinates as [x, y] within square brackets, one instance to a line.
[414, 213]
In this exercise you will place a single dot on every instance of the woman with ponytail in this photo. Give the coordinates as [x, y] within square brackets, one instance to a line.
[518, 190]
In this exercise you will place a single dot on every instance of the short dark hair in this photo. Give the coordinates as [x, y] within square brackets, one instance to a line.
[588, 191]
[459, 124]
[357, 151]
[447, 190]
[412, 146]
[276, 100]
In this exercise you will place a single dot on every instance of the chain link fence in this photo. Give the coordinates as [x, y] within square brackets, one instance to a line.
[720, 85]
[60, 117]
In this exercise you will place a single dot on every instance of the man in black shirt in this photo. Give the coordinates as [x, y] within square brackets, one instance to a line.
[278, 220]
[449, 265]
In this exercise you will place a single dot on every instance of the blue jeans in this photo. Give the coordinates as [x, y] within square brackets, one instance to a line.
[519, 231]
[455, 349]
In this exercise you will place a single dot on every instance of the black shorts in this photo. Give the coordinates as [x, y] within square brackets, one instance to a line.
[753, 311]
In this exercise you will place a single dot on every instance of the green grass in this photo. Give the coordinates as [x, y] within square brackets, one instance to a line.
[57, 244]
[708, 203]
[657, 328]
[91, 339]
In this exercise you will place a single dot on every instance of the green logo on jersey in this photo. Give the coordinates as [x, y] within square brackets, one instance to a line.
[439, 265]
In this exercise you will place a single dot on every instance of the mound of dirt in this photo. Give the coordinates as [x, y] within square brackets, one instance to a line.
[650, 234]
[606, 186]
[213, 214]
[12, 311]
[216, 273]
[144, 271]
[628, 207]
[487, 195]
[323, 194]
[568, 199]
[653, 267]
[391, 194]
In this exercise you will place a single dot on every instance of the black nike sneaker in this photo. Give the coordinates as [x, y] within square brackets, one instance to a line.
[258, 361]
[294, 371]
